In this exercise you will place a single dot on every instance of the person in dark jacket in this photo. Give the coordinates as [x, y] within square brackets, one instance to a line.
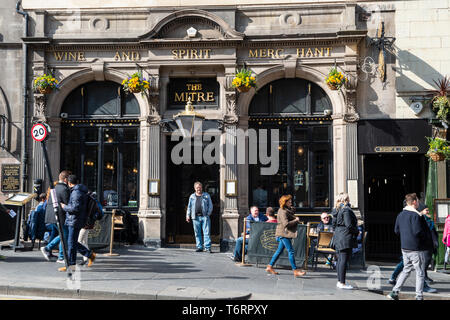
[345, 226]
[62, 193]
[415, 239]
[253, 216]
[76, 217]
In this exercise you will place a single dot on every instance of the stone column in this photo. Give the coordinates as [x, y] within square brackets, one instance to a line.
[150, 158]
[230, 216]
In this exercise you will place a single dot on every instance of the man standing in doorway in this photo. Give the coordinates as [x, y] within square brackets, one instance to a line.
[199, 210]
[412, 229]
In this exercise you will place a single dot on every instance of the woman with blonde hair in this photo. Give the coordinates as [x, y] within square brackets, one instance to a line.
[285, 231]
[345, 226]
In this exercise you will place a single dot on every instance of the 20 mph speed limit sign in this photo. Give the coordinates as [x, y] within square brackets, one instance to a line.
[39, 132]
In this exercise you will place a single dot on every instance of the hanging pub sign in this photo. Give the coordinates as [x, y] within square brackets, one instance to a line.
[204, 93]
[10, 178]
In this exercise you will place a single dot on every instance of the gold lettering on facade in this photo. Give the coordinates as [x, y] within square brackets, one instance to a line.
[266, 53]
[69, 56]
[194, 92]
[191, 53]
[318, 52]
[127, 56]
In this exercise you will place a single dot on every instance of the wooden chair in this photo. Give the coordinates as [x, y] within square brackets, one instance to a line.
[323, 247]
[119, 226]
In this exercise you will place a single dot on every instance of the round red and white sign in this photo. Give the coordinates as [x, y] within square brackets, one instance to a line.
[39, 132]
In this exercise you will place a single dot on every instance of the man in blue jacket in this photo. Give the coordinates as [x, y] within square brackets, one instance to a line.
[414, 239]
[254, 216]
[76, 217]
[199, 210]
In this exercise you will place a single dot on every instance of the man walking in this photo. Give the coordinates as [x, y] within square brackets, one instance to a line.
[63, 195]
[76, 217]
[412, 229]
[199, 210]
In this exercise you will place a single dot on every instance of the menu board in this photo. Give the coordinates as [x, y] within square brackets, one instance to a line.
[10, 178]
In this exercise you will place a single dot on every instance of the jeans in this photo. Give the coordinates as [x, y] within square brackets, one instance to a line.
[238, 247]
[56, 241]
[53, 228]
[75, 246]
[202, 225]
[397, 270]
[342, 263]
[412, 260]
[447, 253]
[284, 243]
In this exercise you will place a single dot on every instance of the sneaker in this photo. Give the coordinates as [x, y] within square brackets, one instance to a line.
[64, 269]
[344, 286]
[199, 250]
[84, 261]
[428, 280]
[232, 257]
[91, 259]
[392, 281]
[392, 295]
[419, 298]
[60, 261]
[338, 284]
[428, 289]
[208, 250]
[45, 253]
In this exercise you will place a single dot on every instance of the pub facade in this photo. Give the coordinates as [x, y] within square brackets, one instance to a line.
[125, 147]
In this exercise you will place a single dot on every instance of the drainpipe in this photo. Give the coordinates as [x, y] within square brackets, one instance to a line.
[24, 152]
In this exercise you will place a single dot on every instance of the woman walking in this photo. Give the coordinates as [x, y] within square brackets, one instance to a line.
[345, 226]
[285, 231]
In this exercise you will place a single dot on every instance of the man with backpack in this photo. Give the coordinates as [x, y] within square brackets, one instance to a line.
[76, 217]
[94, 212]
[63, 195]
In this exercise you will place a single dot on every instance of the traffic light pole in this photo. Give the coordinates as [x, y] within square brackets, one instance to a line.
[56, 205]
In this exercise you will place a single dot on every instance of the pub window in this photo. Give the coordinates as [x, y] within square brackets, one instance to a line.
[100, 142]
[304, 149]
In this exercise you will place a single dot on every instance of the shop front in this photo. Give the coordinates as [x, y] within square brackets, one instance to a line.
[293, 134]
[394, 164]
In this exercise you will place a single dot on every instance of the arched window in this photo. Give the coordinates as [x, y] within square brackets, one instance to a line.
[290, 96]
[100, 100]
[294, 107]
[100, 142]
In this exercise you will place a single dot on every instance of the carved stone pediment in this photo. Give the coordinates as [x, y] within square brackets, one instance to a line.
[192, 24]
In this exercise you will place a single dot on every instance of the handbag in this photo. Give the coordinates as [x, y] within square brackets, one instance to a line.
[333, 242]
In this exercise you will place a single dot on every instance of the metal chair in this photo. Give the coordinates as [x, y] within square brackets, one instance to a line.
[323, 248]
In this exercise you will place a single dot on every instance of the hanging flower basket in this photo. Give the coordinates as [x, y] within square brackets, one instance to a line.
[439, 149]
[243, 81]
[335, 79]
[440, 101]
[243, 89]
[135, 83]
[45, 90]
[437, 156]
[45, 84]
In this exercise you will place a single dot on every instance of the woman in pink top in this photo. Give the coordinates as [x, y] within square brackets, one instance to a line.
[446, 240]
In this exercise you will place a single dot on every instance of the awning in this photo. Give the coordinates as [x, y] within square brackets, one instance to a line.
[393, 136]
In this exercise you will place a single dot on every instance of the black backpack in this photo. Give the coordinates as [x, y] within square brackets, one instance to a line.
[94, 212]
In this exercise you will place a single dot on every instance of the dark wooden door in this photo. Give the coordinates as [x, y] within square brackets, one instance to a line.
[387, 179]
[180, 185]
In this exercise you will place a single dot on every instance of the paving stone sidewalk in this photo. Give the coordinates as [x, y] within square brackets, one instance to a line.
[170, 273]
